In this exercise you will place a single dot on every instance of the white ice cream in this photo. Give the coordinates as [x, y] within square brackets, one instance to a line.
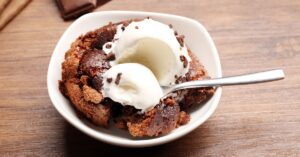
[153, 45]
[137, 87]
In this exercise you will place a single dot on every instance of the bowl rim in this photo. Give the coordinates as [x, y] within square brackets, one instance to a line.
[138, 143]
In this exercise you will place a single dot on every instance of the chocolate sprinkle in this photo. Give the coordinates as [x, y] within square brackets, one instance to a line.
[108, 46]
[180, 40]
[125, 24]
[184, 60]
[110, 56]
[118, 79]
[180, 79]
[176, 33]
[109, 80]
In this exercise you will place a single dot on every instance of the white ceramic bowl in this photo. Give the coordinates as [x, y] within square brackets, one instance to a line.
[197, 38]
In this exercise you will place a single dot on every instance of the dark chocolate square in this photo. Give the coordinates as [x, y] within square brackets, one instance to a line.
[73, 8]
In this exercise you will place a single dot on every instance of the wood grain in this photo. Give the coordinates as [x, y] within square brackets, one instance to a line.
[252, 120]
[11, 10]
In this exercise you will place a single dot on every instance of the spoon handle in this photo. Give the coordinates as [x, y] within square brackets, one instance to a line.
[265, 76]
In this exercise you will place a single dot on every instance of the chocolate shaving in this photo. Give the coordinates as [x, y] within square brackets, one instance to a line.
[180, 79]
[184, 60]
[108, 46]
[110, 56]
[126, 23]
[118, 79]
[176, 33]
[180, 40]
[109, 80]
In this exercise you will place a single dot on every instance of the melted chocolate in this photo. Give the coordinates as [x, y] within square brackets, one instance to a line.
[93, 62]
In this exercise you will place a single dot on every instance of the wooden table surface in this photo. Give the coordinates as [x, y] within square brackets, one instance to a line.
[252, 120]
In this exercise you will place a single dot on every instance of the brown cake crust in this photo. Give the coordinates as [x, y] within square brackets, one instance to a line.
[98, 113]
[78, 69]
[160, 120]
[82, 70]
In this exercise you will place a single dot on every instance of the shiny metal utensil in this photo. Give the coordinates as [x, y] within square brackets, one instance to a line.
[259, 77]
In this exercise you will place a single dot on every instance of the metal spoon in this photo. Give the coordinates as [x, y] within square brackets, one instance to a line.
[271, 75]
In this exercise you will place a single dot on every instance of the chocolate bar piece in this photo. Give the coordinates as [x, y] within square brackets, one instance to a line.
[73, 8]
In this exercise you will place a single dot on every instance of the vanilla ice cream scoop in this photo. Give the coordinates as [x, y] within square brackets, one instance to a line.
[132, 84]
[154, 45]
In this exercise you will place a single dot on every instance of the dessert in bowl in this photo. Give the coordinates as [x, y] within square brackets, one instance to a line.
[112, 74]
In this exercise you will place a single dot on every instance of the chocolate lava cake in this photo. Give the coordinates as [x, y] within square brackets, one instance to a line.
[82, 70]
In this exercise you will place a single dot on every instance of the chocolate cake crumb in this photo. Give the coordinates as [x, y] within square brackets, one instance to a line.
[109, 80]
[184, 60]
[123, 28]
[170, 25]
[148, 17]
[110, 56]
[118, 79]
[91, 95]
[108, 46]
[169, 101]
[84, 79]
[180, 40]
[136, 27]
[183, 119]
